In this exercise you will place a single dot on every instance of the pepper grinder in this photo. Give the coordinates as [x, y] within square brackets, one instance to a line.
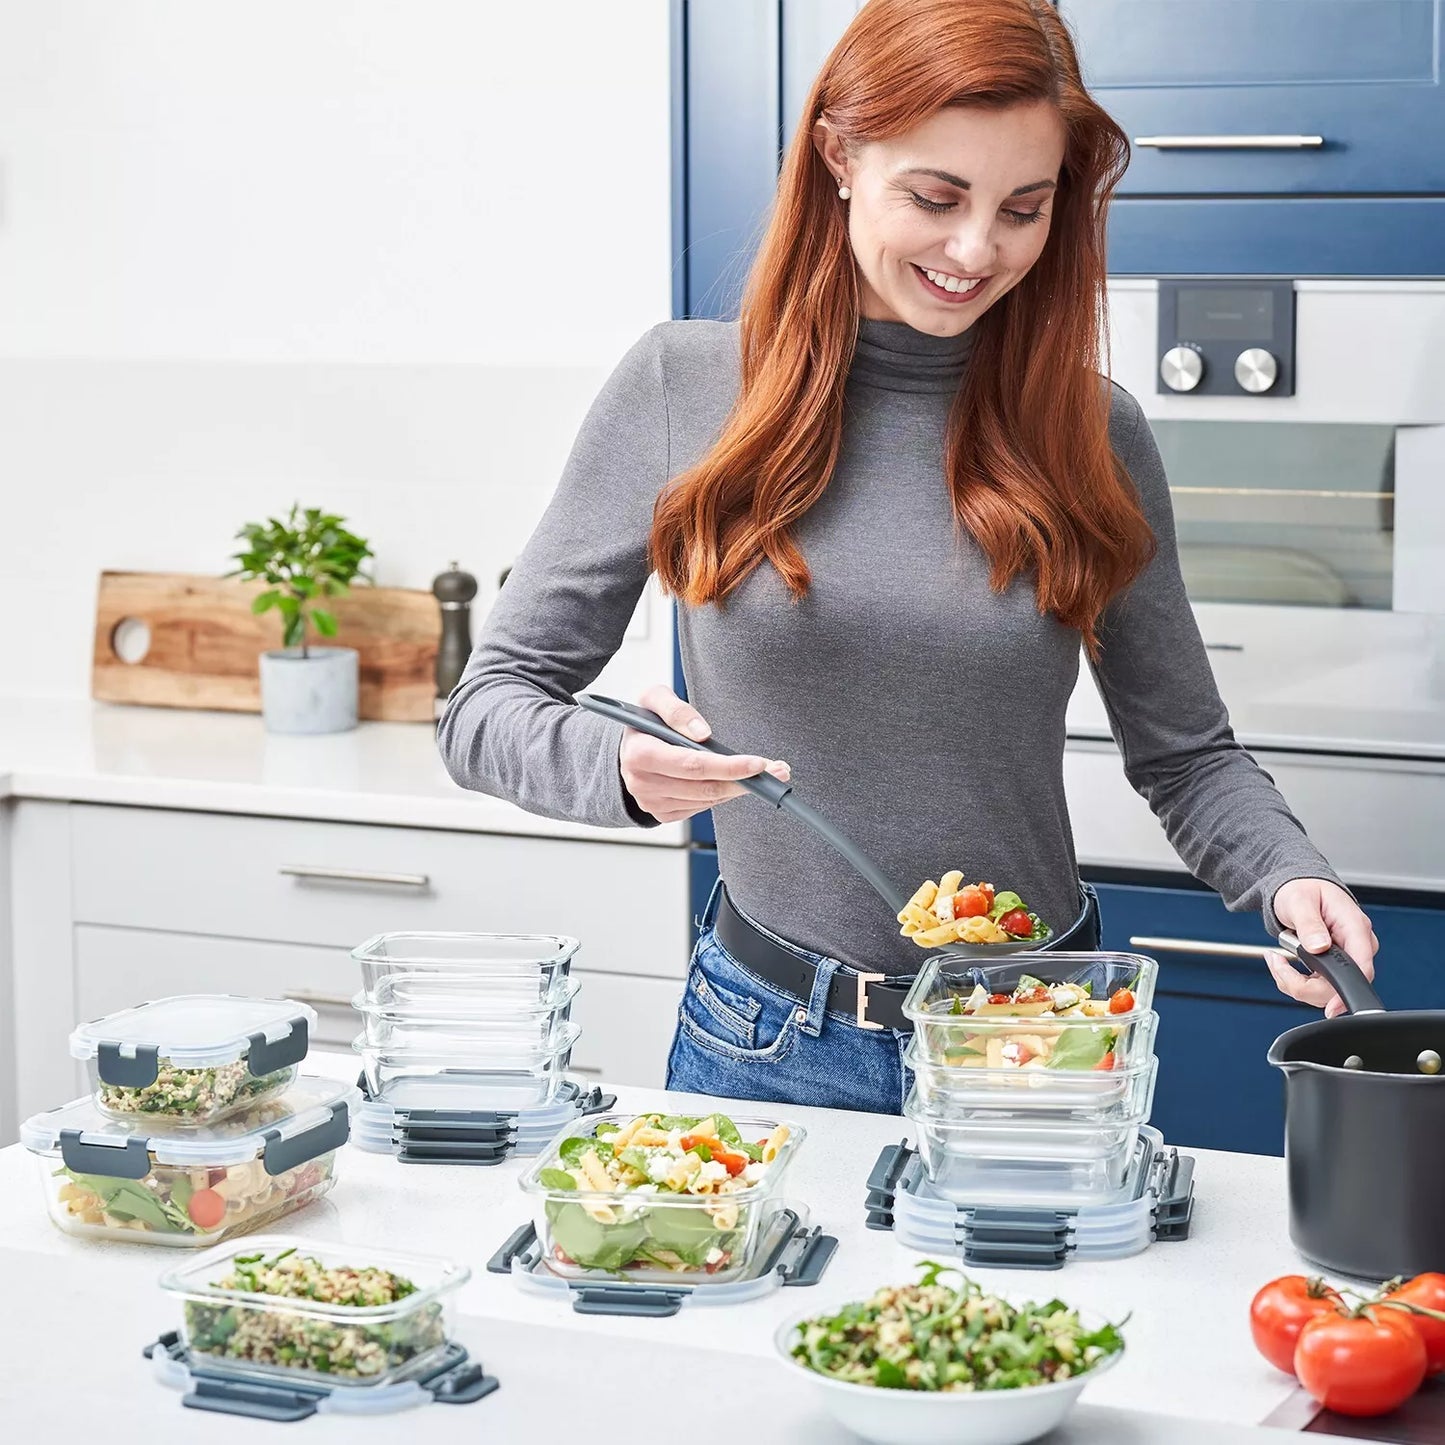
[454, 590]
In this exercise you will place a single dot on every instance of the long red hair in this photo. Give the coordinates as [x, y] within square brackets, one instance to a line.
[1034, 478]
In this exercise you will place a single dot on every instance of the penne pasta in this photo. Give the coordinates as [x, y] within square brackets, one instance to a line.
[950, 881]
[937, 937]
[596, 1175]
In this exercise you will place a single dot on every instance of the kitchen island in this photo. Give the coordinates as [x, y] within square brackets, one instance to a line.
[78, 1313]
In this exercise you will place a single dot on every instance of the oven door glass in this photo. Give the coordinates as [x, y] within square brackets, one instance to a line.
[1283, 513]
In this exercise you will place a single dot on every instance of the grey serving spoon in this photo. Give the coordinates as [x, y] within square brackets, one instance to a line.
[764, 785]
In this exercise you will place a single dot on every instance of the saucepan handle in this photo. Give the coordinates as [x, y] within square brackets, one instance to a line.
[1338, 970]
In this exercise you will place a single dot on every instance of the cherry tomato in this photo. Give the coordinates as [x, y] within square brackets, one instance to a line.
[1121, 1001]
[1107, 1062]
[988, 892]
[719, 1152]
[1282, 1309]
[206, 1208]
[1017, 922]
[971, 902]
[1365, 1364]
[1427, 1291]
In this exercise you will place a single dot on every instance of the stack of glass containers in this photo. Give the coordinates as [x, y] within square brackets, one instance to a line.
[1015, 1103]
[198, 1125]
[466, 1021]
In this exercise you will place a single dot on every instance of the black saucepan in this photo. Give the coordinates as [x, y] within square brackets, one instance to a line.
[1364, 1132]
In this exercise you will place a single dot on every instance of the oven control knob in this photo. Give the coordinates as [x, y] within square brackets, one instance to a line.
[1182, 368]
[1256, 370]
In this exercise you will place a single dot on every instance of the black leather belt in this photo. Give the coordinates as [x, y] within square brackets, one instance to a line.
[875, 1000]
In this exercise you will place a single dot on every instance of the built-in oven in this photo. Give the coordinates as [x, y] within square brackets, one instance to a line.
[1302, 428]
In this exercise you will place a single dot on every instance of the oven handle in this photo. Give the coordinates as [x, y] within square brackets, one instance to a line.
[1230, 142]
[1200, 945]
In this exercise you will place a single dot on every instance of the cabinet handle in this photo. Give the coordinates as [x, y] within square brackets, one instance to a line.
[317, 1000]
[354, 875]
[1230, 142]
[1199, 945]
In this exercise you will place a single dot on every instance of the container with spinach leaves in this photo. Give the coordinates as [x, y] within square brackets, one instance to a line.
[104, 1179]
[659, 1195]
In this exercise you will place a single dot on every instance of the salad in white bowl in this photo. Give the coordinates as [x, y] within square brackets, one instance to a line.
[937, 1362]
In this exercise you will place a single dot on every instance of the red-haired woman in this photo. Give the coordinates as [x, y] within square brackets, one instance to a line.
[891, 502]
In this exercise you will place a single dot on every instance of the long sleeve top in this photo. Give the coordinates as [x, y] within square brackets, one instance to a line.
[920, 710]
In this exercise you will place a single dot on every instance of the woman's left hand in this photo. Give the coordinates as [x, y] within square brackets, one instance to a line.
[1319, 913]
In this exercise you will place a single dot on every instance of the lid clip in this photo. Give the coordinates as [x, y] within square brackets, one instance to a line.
[130, 1160]
[128, 1071]
[265, 1058]
[642, 1303]
[281, 1154]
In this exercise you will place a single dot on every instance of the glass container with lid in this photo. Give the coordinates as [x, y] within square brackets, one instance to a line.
[147, 1183]
[193, 1058]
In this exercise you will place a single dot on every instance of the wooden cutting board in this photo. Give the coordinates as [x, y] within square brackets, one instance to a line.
[205, 643]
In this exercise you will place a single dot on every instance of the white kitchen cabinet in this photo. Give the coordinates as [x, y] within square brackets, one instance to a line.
[626, 1020]
[627, 1025]
[118, 904]
[227, 875]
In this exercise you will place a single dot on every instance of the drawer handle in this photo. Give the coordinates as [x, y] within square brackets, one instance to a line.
[317, 1000]
[1199, 945]
[354, 875]
[1230, 142]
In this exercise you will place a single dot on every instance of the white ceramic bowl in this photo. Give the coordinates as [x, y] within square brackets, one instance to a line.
[922, 1417]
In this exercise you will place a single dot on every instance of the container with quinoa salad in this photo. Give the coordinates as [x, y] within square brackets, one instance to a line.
[152, 1184]
[194, 1058]
[350, 1313]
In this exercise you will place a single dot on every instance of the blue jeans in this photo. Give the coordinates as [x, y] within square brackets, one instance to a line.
[738, 1037]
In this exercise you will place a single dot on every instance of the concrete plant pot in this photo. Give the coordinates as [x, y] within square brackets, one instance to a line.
[315, 693]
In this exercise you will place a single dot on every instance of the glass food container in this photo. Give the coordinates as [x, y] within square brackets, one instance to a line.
[1023, 1161]
[107, 1179]
[193, 1058]
[530, 966]
[1003, 1034]
[445, 1025]
[1098, 1094]
[379, 1316]
[510, 1075]
[482, 997]
[648, 1233]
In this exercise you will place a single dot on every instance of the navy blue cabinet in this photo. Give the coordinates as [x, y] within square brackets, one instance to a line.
[1219, 1013]
[1280, 137]
[1247, 77]
[1272, 97]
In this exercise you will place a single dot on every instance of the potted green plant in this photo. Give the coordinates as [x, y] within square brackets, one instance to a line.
[306, 560]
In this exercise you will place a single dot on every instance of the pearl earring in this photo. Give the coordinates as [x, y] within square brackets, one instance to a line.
[844, 193]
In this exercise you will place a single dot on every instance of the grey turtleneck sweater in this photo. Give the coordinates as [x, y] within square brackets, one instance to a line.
[920, 710]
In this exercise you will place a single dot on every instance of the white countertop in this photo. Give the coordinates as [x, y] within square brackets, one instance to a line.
[94, 1305]
[82, 751]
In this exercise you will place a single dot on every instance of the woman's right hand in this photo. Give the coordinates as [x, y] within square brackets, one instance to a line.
[672, 783]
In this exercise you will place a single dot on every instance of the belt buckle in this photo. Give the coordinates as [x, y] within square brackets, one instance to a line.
[861, 1011]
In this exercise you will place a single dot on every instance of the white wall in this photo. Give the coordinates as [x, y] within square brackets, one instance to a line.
[372, 254]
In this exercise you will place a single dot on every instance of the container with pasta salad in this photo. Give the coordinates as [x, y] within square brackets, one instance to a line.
[1054, 1015]
[659, 1196]
[190, 1188]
